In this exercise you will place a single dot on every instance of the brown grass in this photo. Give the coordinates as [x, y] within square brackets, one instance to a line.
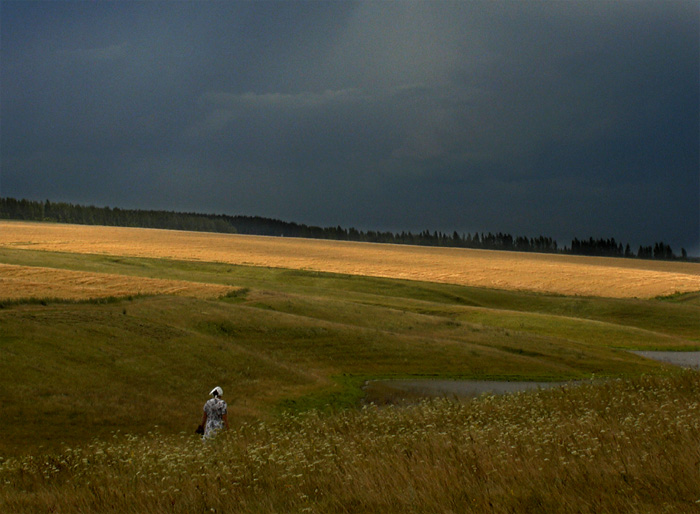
[569, 275]
[19, 282]
[615, 447]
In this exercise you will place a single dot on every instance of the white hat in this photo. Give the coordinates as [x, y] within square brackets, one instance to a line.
[217, 391]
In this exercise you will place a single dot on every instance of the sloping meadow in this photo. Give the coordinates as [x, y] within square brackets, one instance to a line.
[99, 399]
[292, 340]
[619, 446]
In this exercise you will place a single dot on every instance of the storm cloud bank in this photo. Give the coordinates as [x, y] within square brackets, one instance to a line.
[569, 119]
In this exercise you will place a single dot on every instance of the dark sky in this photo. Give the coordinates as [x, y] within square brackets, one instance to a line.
[557, 118]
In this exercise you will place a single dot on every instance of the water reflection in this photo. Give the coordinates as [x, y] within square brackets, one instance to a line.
[684, 359]
[409, 391]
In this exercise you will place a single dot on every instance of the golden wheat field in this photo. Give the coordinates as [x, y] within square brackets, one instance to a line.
[17, 282]
[546, 273]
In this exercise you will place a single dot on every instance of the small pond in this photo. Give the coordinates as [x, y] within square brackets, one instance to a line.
[409, 391]
[384, 392]
[683, 359]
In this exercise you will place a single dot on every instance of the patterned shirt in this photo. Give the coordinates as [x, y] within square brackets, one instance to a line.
[215, 409]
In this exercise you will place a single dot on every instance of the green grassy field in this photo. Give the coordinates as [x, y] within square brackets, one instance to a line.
[284, 342]
[292, 339]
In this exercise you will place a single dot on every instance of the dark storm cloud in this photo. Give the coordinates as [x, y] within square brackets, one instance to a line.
[566, 119]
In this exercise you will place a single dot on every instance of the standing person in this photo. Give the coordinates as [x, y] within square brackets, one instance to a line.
[215, 414]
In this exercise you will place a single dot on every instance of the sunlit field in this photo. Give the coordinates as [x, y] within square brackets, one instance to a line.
[23, 282]
[110, 340]
[569, 275]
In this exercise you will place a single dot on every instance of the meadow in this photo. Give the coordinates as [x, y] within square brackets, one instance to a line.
[107, 353]
[621, 446]
[545, 273]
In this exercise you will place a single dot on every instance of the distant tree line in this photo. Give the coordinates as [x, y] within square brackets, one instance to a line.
[61, 212]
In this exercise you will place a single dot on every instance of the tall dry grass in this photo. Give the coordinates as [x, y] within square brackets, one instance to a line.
[618, 446]
[569, 275]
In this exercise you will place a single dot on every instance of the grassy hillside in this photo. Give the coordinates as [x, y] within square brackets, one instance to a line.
[290, 340]
[621, 446]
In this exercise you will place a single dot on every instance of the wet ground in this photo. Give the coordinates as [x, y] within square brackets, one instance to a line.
[683, 359]
[384, 392]
[390, 392]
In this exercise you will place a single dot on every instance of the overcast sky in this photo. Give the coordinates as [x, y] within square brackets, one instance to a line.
[557, 118]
